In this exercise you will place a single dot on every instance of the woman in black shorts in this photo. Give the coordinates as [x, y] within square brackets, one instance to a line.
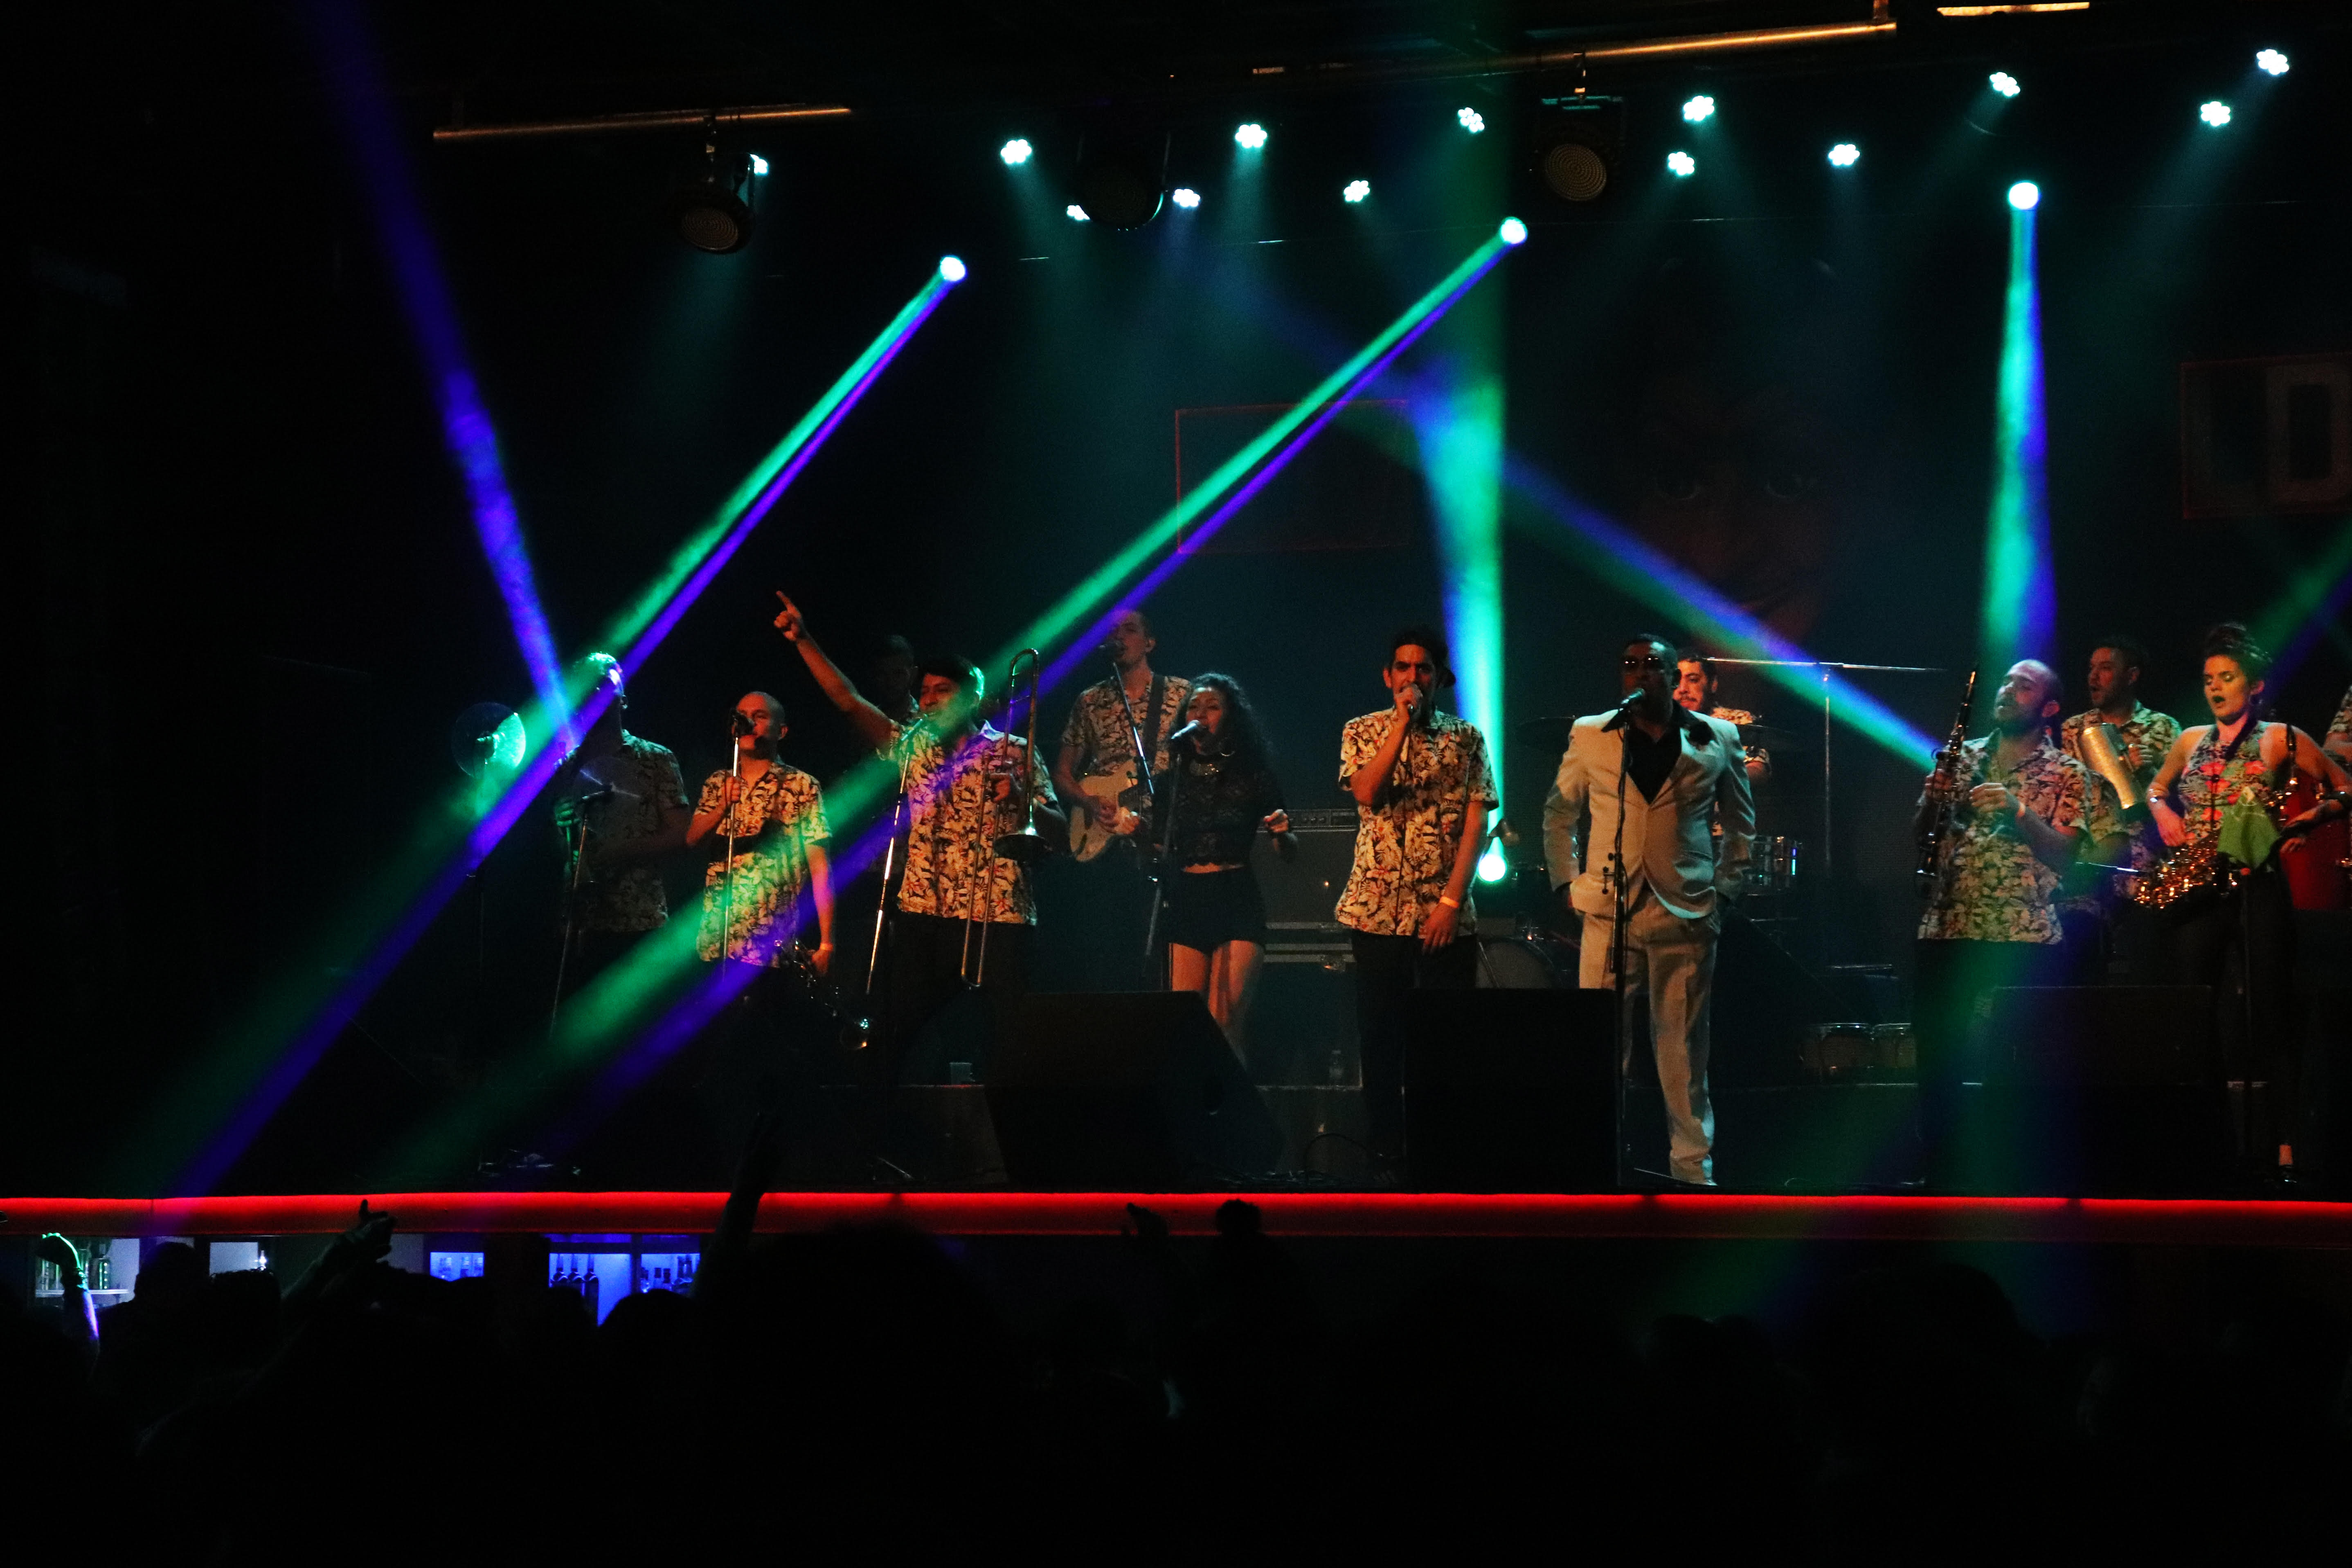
[1218, 792]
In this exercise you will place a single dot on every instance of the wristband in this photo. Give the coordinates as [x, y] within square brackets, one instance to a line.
[1449, 900]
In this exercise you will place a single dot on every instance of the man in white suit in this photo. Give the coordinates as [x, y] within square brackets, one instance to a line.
[1663, 772]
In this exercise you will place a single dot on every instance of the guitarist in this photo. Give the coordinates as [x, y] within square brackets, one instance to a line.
[1096, 764]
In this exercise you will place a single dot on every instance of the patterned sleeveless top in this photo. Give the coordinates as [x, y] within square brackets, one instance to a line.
[2210, 784]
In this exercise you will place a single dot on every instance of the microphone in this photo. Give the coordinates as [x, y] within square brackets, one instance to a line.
[1187, 731]
[1623, 706]
[738, 724]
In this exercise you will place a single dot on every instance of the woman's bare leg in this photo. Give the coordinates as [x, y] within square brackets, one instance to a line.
[1233, 972]
[1189, 970]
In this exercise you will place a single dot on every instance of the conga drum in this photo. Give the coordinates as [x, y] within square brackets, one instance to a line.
[2317, 876]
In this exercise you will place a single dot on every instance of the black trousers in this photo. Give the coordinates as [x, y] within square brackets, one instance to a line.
[927, 963]
[1386, 968]
[2244, 947]
[1949, 982]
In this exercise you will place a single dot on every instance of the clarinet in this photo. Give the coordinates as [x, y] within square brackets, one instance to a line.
[1936, 831]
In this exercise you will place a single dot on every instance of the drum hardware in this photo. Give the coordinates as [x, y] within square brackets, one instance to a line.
[1839, 1053]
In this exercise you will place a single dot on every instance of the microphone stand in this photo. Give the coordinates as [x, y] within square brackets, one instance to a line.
[1620, 1031]
[735, 776]
[1155, 873]
[578, 849]
[882, 900]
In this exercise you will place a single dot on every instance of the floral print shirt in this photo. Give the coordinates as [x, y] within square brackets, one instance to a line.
[2209, 785]
[1406, 846]
[1097, 726]
[2339, 730]
[2153, 733]
[780, 815]
[1991, 886]
[643, 779]
[954, 821]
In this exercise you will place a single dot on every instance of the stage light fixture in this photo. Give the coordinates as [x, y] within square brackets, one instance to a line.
[1492, 866]
[1076, 213]
[2024, 195]
[1578, 141]
[2213, 112]
[712, 208]
[759, 165]
[1122, 175]
[1682, 165]
[1185, 196]
[1845, 156]
[1017, 152]
[1250, 136]
[952, 268]
[1512, 232]
[1472, 122]
[1698, 109]
[2270, 62]
[2005, 84]
[1355, 190]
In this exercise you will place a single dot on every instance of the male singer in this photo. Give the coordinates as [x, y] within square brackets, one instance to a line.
[1655, 776]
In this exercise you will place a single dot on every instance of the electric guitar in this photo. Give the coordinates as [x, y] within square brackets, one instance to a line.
[1129, 803]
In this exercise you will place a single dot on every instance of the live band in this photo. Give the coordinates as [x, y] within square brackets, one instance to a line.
[2166, 851]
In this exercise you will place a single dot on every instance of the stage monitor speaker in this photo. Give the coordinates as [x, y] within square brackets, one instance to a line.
[1509, 1091]
[1124, 1090]
[2099, 1090]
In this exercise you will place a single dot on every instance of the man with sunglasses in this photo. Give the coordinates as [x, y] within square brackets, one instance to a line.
[1654, 777]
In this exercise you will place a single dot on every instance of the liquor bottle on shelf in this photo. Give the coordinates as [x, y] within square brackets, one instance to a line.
[589, 1285]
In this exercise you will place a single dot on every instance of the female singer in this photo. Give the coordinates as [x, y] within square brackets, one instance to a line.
[2241, 761]
[1218, 791]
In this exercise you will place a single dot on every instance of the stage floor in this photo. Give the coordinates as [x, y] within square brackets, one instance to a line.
[1672, 1216]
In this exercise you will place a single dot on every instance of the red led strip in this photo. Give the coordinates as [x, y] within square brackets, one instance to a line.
[1663, 1216]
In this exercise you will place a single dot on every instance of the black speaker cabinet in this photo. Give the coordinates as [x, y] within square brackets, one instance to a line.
[1127, 1090]
[2098, 1090]
[1509, 1091]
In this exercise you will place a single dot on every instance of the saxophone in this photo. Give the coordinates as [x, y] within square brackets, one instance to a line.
[1936, 831]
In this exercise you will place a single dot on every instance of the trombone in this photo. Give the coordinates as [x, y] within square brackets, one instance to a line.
[1023, 848]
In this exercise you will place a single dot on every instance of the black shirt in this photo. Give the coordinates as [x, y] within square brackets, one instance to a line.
[1218, 803]
[1648, 761]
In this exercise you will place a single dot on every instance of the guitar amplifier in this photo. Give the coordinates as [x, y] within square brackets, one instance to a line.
[1302, 893]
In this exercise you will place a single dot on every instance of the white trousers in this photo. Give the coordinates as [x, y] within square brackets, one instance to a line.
[1672, 961]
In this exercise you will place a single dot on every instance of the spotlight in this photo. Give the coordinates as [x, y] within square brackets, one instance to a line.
[1845, 156]
[2024, 195]
[1122, 173]
[1017, 152]
[2005, 84]
[1683, 165]
[712, 207]
[1185, 196]
[1251, 135]
[1356, 190]
[1492, 866]
[1077, 214]
[952, 268]
[1578, 141]
[1513, 232]
[1698, 109]
[2271, 62]
[1472, 122]
[759, 165]
[2213, 112]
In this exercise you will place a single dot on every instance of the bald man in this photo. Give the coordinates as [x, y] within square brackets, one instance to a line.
[776, 817]
[2017, 806]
